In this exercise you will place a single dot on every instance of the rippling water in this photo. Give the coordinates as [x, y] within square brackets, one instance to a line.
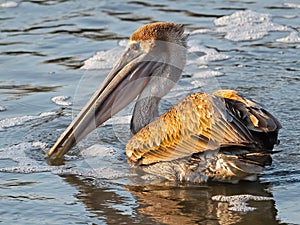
[54, 54]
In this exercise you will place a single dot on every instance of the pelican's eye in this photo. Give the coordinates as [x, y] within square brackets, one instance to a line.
[134, 46]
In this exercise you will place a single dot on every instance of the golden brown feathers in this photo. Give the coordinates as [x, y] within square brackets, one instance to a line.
[198, 123]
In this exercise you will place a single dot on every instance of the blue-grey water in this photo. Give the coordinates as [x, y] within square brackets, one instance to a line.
[60, 48]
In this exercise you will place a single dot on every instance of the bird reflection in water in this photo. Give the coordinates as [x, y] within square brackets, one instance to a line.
[166, 203]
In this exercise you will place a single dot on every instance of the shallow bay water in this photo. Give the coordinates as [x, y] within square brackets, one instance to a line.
[54, 54]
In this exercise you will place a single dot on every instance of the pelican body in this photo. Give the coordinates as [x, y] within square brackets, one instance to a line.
[221, 136]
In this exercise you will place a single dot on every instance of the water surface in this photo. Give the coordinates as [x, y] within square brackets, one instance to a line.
[54, 54]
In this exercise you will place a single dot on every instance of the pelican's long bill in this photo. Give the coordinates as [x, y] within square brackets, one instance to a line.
[124, 82]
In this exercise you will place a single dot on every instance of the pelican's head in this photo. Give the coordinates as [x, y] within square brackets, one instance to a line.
[149, 67]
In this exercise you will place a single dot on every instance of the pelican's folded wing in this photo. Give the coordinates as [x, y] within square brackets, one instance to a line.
[255, 117]
[198, 123]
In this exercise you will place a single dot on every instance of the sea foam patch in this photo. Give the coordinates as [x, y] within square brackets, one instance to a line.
[207, 54]
[291, 5]
[9, 4]
[103, 59]
[20, 154]
[18, 121]
[61, 100]
[239, 203]
[208, 73]
[2, 108]
[246, 25]
[28, 157]
[106, 162]
[293, 37]
[99, 151]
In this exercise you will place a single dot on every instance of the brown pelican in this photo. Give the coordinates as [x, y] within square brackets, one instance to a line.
[221, 136]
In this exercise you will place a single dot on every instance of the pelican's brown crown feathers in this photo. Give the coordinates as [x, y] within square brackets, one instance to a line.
[158, 31]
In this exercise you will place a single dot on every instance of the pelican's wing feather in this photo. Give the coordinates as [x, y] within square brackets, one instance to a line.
[254, 115]
[197, 123]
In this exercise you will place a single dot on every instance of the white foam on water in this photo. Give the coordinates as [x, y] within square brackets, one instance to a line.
[106, 162]
[293, 37]
[123, 43]
[239, 203]
[103, 59]
[19, 154]
[99, 151]
[208, 73]
[124, 119]
[291, 5]
[61, 100]
[209, 54]
[246, 25]
[9, 4]
[28, 157]
[2, 108]
[200, 31]
[18, 121]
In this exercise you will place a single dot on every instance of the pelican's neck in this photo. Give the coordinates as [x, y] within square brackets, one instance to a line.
[146, 107]
[145, 110]
[163, 79]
